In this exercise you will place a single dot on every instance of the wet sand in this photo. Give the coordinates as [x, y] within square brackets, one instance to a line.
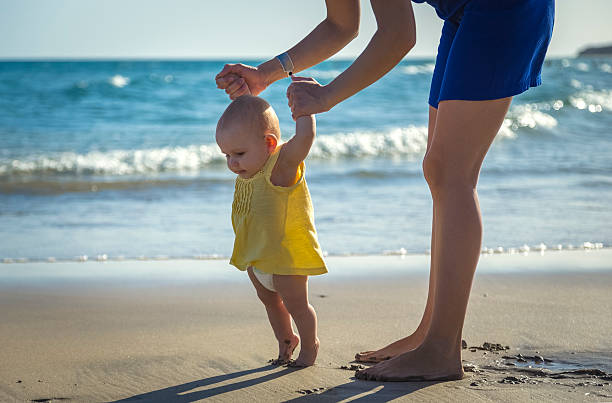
[189, 330]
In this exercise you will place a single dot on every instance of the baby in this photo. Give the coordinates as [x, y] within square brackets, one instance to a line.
[272, 217]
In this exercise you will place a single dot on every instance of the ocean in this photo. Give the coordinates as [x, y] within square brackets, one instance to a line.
[117, 160]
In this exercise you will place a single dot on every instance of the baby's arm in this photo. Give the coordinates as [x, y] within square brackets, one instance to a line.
[294, 152]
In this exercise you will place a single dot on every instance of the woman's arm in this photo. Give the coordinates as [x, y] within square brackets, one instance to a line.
[395, 36]
[339, 28]
[326, 39]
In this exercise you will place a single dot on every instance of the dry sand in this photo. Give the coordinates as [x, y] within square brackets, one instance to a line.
[190, 330]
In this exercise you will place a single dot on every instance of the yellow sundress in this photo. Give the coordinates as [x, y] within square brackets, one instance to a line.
[274, 225]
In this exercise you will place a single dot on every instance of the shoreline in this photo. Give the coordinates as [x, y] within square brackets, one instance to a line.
[524, 250]
[137, 273]
[402, 252]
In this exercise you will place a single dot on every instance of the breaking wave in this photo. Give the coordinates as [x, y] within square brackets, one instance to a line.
[408, 142]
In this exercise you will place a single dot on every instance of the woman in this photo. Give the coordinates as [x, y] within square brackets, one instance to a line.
[489, 51]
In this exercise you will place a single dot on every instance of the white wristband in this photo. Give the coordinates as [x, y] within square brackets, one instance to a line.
[286, 62]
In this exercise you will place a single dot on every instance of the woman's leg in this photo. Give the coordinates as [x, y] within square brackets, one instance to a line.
[463, 134]
[413, 340]
[279, 318]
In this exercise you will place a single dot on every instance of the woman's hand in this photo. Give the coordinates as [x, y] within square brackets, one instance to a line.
[237, 86]
[240, 79]
[307, 97]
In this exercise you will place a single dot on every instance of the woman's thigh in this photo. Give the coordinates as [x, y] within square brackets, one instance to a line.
[463, 133]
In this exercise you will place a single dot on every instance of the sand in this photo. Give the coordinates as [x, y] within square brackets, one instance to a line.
[185, 331]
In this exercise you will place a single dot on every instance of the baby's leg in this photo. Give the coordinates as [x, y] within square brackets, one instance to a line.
[294, 292]
[279, 320]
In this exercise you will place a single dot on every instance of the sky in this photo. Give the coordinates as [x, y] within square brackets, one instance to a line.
[228, 30]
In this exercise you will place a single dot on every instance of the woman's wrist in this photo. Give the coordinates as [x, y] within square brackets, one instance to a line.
[271, 71]
[328, 96]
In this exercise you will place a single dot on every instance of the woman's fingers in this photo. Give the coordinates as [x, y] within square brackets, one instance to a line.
[243, 90]
[234, 86]
[289, 96]
[297, 78]
[290, 89]
[304, 95]
[251, 75]
[226, 80]
[223, 72]
[225, 77]
[221, 83]
[232, 68]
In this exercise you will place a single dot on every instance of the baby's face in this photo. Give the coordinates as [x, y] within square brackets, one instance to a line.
[246, 153]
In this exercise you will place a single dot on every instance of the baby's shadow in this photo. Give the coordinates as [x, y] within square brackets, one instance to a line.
[178, 393]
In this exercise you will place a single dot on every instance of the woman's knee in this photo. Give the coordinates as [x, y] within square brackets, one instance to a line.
[443, 172]
[434, 169]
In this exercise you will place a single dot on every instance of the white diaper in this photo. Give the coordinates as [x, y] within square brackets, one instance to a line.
[265, 279]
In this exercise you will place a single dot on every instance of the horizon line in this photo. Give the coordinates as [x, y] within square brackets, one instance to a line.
[192, 59]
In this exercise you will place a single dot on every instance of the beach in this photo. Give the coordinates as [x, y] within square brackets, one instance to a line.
[188, 330]
[116, 230]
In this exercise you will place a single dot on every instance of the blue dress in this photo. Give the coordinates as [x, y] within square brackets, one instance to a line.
[445, 8]
[490, 49]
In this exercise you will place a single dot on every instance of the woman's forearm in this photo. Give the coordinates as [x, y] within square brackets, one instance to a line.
[332, 34]
[391, 42]
[376, 60]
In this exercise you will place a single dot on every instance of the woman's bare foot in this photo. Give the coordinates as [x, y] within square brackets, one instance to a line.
[396, 348]
[285, 350]
[307, 356]
[420, 364]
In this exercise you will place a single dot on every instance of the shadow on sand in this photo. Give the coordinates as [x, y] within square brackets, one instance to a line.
[356, 390]
[178, 393]
[364, 391]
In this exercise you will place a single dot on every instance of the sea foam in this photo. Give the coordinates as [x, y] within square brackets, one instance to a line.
[406, 142]
[418, 69]
[400, 142]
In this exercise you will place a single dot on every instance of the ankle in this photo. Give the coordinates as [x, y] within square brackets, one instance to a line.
[288, 339]
[314, 344]
[441, 348]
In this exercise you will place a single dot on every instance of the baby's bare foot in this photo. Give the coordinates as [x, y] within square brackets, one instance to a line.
[285, 350]
[308, 355]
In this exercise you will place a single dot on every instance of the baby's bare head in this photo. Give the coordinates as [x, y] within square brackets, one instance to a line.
[247, 134]
[249, 115]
